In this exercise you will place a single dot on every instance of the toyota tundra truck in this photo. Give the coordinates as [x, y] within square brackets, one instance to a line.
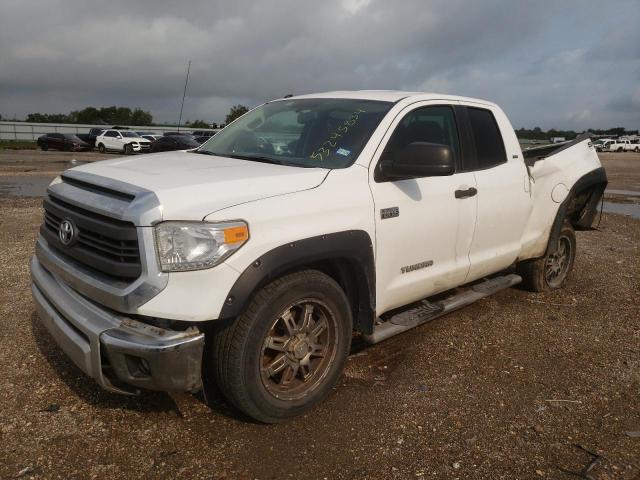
[251, 261]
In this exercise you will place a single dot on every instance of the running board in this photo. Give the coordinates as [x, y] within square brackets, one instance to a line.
[426, 310]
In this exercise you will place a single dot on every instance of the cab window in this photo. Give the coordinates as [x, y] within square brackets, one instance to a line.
[487, 138]
[436, 124]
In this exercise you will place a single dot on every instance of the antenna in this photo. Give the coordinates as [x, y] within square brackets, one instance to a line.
[184, 94]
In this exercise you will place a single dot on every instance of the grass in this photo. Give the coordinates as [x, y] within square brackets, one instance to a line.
[18, 145]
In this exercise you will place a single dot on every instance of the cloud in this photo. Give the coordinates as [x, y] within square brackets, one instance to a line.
[543, 61]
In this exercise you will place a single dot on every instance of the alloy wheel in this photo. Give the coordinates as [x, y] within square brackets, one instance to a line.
[557, 264]
[298, 350]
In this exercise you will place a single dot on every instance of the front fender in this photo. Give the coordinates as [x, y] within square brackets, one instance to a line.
[353, 246]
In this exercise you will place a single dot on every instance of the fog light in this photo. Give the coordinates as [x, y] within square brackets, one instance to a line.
[138, 367]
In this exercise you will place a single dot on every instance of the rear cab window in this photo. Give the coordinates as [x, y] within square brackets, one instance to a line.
[487, 139]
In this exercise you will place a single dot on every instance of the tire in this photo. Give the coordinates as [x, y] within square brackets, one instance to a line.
[620, 150]
[637, 149]
[101, 148]
[260, 359]
[128, 149]
[44, 148]
[551, 271]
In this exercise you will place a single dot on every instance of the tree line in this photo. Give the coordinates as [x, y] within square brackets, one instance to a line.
[122, 116]
[92, 115]
[538, 134]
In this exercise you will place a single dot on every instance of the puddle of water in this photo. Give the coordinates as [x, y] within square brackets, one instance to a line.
[24, 186]
[628, 209]
[33, 186]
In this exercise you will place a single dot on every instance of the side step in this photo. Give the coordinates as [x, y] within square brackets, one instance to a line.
[426, 310]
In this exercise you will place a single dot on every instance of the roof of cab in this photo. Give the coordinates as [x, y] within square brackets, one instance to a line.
[388, 96]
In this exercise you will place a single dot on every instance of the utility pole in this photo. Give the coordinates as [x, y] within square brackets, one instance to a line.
[184, 94]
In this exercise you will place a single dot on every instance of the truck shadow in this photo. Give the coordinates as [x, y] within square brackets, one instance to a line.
[85, 387]
[90, 392]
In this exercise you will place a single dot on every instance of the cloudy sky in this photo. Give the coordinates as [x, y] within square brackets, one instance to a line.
[562, 63]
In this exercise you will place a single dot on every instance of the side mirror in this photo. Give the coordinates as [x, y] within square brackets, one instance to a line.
[418, 159]
[119, 136]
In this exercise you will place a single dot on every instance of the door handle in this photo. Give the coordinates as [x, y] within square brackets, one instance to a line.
[469, 192]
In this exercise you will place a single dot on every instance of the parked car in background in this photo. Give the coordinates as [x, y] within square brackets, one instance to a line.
[605, 145]
[203, 133]
[202, 139]
[632, 146]
[62, 141]
[174, 142]
[170, 134]
[151, 137]
[124, 141]
[90, 138]
[618, 145]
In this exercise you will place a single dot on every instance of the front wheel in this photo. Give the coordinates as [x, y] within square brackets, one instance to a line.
[551, 271]
[283, 355]
[128, 149]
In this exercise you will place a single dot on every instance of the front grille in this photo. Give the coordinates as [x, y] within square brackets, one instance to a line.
[104, 244]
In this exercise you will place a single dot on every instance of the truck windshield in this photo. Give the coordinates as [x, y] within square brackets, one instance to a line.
[324, 133]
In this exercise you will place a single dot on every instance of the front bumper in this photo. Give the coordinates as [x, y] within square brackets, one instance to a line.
[122, 354]
[141, 147]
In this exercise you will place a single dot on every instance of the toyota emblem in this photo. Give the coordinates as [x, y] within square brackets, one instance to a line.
[67, 232]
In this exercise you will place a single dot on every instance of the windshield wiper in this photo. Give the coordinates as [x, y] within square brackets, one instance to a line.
[253, 158]
[256, 158]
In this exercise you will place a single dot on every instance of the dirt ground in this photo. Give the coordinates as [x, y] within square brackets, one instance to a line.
[518, 385]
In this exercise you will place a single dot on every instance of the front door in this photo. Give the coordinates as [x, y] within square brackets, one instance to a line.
[423, 227]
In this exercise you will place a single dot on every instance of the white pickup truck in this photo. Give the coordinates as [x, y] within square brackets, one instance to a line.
[632, 146]
[617, 145]
[251, 260]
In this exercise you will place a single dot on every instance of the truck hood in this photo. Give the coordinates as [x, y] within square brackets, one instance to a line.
[191, 186]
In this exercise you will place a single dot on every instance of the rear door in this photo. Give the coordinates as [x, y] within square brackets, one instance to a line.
[503, 203]
[424, 226]
[57, 141]
[109, 140]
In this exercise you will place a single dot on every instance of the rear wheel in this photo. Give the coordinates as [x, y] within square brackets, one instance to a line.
[44, 147]
[551, 271]
[101, 148]
[284, 354]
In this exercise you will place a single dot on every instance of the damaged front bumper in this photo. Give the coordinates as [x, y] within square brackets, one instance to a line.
[122, 354]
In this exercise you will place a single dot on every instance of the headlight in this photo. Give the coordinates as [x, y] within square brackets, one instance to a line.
[185, 246]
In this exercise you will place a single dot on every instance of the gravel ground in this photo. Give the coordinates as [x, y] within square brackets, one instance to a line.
[510, 387]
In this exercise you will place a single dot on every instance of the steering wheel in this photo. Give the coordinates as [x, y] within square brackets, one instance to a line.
[264, 145]
[249, 141]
